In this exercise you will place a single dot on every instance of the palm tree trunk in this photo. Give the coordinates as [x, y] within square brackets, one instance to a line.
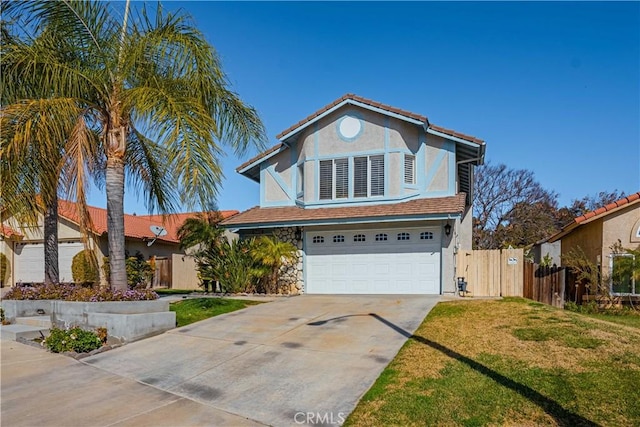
[51, 271]
[115, 222]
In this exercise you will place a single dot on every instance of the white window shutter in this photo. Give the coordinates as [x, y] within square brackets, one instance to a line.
[360, 177]
[342, 178]
[326, 179]
[377, 175]
[409, 169]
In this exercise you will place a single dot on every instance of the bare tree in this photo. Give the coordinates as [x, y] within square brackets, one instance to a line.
[503, 202]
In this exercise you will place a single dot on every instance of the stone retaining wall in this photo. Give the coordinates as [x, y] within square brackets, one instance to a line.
[291, 280]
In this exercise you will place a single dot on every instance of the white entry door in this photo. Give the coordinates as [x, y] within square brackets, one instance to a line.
[29, 261]
[383, 261]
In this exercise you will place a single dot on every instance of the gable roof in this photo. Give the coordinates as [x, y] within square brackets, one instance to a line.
[596, 214]
[418, 209]
[135, 226]
[471, 148]
[351, 98]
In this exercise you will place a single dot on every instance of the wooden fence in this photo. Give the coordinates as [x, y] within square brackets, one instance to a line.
[162, 275]
[492, 273]
[545, 284]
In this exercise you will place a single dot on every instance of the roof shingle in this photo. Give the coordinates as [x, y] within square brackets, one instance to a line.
[295, 214]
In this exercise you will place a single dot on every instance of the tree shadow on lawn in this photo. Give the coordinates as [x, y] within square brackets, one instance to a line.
[560, 414]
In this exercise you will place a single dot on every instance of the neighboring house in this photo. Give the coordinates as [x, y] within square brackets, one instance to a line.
[597, 231]
[24, 246]
[377, 199]
[544, 250]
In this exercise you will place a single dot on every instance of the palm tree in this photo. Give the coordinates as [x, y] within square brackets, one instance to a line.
[31, 160]
[155, 91]
[201, 230]
[273, 253]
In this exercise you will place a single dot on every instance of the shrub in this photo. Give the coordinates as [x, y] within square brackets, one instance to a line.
[75, 292]
[139, 272]
[74, 339]
[5, 269]
[84, 267]
[272, 254]
[231, 264]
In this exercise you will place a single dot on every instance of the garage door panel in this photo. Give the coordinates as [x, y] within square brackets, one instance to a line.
[29, 261]
[374, 267]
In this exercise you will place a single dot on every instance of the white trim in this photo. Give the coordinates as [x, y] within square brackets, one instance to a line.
[357, 104]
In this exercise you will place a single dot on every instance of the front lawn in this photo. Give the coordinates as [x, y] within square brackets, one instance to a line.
[196, 309]
[513, 362]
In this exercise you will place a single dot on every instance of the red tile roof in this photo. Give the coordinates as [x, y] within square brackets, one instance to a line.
[611, 206]
[135, 226]
[366, 101]
[259, 156]
[7, 231]
[456, 134]
[593, 215]
[295, 214]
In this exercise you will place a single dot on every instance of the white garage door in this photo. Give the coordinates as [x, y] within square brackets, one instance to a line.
[383, 261]
[29, 261]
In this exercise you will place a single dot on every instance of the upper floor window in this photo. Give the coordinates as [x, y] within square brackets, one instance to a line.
[403, 236]
[409, 169]
[368, 176]
[300, 181]
[359, 238]
[334, 179]
[318, 239]
[426, 235]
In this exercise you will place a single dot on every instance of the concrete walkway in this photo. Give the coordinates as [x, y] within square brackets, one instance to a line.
[273, 363]
[45, 389]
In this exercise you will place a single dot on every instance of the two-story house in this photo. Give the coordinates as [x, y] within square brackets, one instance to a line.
[377, 199]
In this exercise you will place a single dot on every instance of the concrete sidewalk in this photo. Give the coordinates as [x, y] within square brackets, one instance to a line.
[45, 389]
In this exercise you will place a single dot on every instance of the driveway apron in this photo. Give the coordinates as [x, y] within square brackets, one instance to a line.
[296, 360]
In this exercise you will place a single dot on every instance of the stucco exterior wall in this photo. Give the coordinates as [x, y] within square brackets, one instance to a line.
[597, 237]
[464, 229]
[183, 272]
[588, 237]
[380, 134]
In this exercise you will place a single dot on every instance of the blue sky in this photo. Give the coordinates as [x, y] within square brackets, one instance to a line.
[551, 87]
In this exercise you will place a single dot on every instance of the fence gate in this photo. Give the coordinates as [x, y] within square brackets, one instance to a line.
[492, 273]
[545, 284]
[162, 275]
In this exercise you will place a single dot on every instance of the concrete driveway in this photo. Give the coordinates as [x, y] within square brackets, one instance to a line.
[306, 359]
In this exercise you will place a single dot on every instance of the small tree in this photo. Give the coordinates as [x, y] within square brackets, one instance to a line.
[586, 271]
[139, 272]
[5, 269]
[273, 254]
[84, 268]
[231, 264]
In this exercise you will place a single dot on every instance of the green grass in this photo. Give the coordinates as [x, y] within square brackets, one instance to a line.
[622, 319]
[508, 362]
[196, 309]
